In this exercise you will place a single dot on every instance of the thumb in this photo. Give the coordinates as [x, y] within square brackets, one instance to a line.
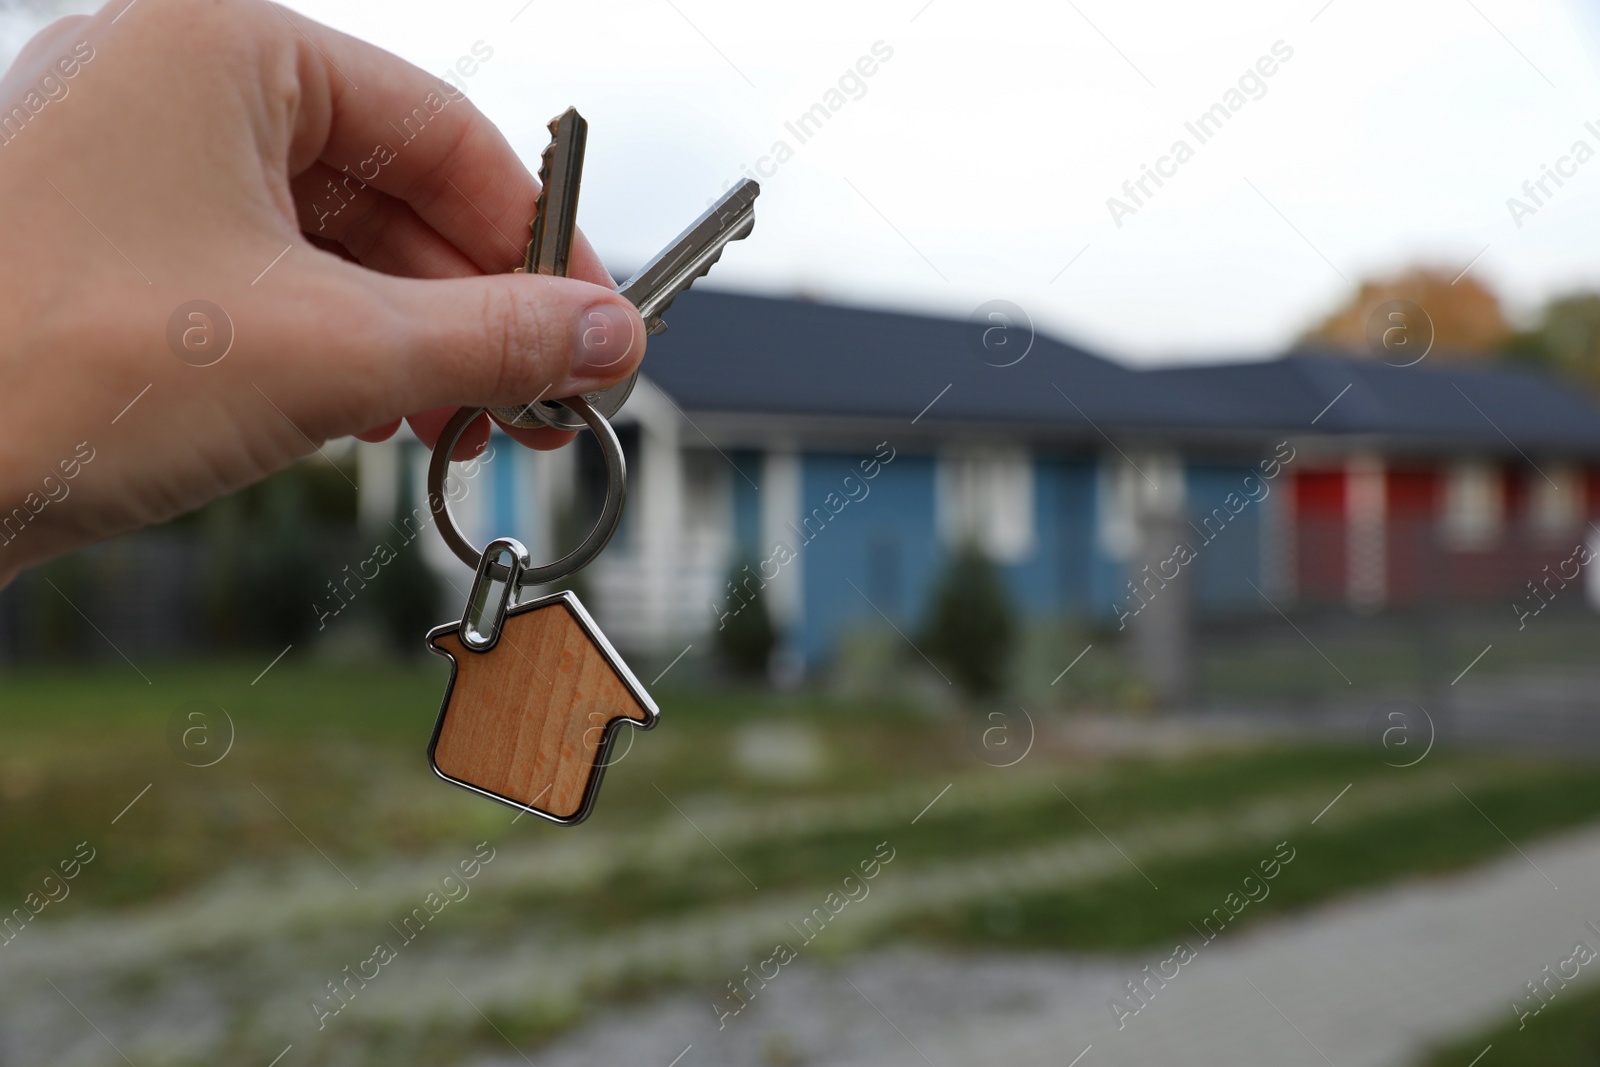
[506, 339]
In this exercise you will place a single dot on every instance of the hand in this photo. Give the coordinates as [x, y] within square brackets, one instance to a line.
[301, 181]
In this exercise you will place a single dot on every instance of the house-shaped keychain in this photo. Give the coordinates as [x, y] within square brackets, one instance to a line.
[533, 704]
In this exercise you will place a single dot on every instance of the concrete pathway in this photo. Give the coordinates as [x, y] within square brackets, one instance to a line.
[1369, 982]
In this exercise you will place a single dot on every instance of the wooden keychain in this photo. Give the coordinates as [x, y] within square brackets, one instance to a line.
[536, 692]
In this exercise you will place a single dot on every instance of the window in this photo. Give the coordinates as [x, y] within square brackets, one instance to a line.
[1554, 507]
[1131, 488]
[985, 497]
[1474, 503]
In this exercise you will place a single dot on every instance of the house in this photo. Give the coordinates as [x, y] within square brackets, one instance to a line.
[838, 454]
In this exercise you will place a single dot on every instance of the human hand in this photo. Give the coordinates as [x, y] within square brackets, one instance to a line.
[166, 151]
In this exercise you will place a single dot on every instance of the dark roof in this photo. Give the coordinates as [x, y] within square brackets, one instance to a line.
[728, 352]
[1454, 402]
[753, 356]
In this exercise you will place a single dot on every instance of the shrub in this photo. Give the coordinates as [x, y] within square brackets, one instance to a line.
[746, 637]
[971, 630]
[406, 598]
[281, 568]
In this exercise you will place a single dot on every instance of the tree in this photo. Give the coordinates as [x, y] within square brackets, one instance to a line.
[971, 631]
[405, 598]
[281, 568]
[1466, 314]
[1565, 339]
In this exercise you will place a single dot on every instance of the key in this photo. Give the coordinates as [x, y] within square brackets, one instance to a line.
[652, 290]
[555, 221]
[555, 215]
[695, 251]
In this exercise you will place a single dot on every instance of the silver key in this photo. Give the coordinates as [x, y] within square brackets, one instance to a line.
[555, 220]
[659, 281]
[555, 215]
[652, 290]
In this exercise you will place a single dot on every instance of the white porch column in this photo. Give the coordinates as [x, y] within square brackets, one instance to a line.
[1366, 550]
[1279, 530]
[658, 529]
[785, 593]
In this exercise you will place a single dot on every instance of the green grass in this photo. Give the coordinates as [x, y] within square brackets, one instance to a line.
[1565, 1034]
[1126, 913]
[340, 751]
[1387, 654]
[1129, 792]
[322, 743]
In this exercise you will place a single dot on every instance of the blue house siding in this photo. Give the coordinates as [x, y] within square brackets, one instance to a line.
[1055, 581]
[888, 545]
[1228, 552]
[503, 477]
[885, 546]
[885, 542]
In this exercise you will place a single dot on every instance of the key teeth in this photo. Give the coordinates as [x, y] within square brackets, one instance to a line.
[548, 155]
[710, 262]
[546, 161]
[696, 276]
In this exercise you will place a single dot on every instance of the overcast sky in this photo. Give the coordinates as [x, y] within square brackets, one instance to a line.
[978, 159]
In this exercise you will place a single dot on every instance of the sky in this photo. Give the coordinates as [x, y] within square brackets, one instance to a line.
[977, 160]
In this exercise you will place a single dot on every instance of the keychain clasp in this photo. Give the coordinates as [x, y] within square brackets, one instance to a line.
[503, 562]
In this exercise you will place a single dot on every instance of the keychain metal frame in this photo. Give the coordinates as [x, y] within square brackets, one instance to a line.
[604, 528]
[609, 729]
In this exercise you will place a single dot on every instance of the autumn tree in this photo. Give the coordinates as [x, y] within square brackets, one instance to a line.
[1564, 339]
[1465, 313]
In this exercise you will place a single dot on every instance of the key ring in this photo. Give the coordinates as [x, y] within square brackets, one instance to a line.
[578, 558]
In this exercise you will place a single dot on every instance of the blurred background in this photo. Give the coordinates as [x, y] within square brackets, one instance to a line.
[1133, 494]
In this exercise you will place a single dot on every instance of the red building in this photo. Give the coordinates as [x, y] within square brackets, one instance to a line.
[1455, 481]
[1370, 532]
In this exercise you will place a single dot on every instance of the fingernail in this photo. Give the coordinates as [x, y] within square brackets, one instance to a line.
[604, 337]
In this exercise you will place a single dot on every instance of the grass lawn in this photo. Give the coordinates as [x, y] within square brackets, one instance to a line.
[328, 767]
[340, 752]
[1269, 663]
[1565, 1034]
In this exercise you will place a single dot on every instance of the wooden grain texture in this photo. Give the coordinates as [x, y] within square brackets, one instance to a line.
[526, 719]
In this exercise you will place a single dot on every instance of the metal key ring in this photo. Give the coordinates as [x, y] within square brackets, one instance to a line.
[578, 558]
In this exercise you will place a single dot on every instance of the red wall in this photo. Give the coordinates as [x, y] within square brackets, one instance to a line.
[1414, 567]
[1319, 535]
[1419, 565]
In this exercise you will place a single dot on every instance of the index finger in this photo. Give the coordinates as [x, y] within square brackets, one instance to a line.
[414, 136]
